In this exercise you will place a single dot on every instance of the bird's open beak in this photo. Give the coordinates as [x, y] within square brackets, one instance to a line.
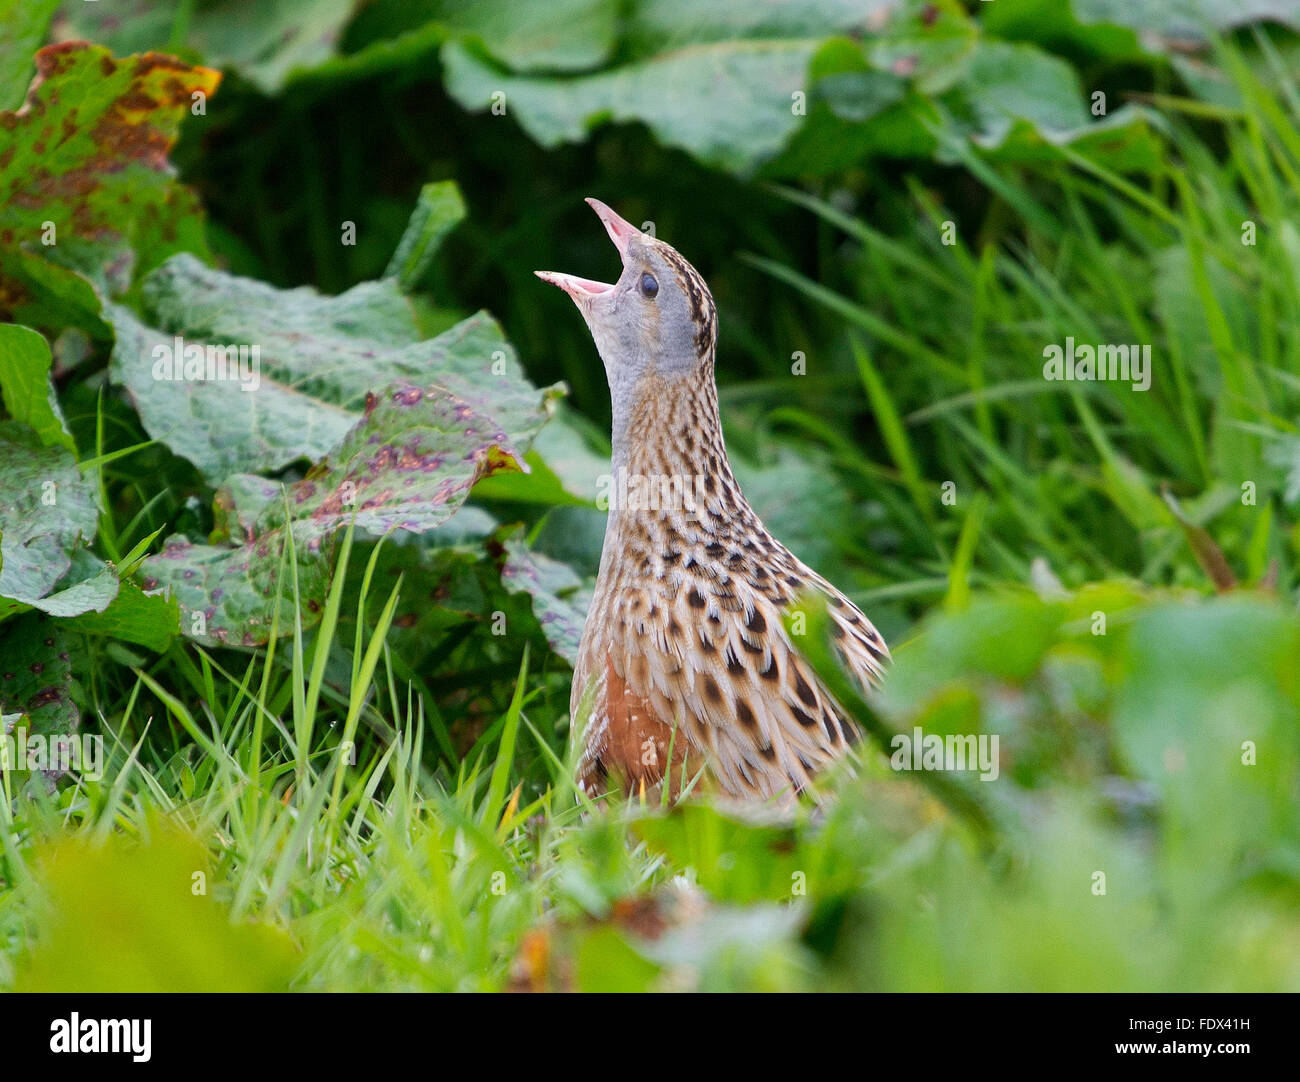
[577, 288]
[584, 289]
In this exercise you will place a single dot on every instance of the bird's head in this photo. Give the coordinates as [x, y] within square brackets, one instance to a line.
[657, 319]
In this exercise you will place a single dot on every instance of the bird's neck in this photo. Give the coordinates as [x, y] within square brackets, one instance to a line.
[671, 428]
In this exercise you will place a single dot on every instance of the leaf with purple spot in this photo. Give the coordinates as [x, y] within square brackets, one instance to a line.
[408, 464]
[560, 597]
[36, 675]
[308, 363]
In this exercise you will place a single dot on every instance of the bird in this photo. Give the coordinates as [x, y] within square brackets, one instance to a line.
[685, 666]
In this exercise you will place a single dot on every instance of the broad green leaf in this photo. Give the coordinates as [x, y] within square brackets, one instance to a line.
[1171, 24]
[662, 25]
[36, 675]
[605, 962]
[87, 154]
[541, 485]
[400, 428]
[408, 464]
[751, 62]
[1000, 637]
[1208, 710]
[89, 587]
[857, 96]
[222, 426]
[47, 509]
[865, 93]
[275, 42]
[1006, 83]
[412, 50]
[928, 84]
[132, 616]
[930, 46]
[560, 598]
[25, 24]
[266, 41]
[1023, 102]
[565, 468]
[750, 87]
[736, 859]
[1060, 24]
[308, 363]
[141, 916]
[560, 35]
[40, 291]
[25, 384]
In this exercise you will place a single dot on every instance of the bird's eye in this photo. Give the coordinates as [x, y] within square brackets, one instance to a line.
[649, 287]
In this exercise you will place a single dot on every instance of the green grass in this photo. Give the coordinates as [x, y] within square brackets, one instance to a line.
[1124, 759]
[961, 329]
[381, 874]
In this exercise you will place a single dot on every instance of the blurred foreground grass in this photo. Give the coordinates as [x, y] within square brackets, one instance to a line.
[1146, 838]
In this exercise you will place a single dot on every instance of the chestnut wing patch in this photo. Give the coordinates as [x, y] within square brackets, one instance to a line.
[637, 745]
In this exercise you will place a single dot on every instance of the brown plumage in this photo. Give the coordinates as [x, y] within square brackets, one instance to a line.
[684, 647]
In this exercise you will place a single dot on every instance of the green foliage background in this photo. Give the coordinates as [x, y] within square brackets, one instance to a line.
[282, 609]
